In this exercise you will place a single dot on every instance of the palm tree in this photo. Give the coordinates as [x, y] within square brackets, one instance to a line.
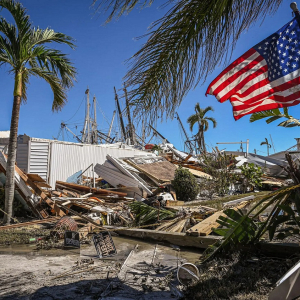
[266, 142]
[203, 124]
[183, 47]
[23, 49]
[274, 115]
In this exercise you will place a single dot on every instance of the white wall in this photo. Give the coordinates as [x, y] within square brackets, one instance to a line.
[67, 159]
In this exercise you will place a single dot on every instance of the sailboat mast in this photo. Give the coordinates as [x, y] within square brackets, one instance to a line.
[86, 120]
[120, 115]
[95, 134]
[131, 133]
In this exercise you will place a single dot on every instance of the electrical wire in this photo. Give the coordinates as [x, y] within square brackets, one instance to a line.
[77, 110]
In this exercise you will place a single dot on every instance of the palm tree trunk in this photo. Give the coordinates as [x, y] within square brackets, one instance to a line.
[12, 150]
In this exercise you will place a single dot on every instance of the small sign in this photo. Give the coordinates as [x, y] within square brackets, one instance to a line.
[72, 239]
[104, 244]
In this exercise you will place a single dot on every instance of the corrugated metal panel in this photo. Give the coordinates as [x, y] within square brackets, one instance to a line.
[38, 160]
[22, 157]
[67, 159]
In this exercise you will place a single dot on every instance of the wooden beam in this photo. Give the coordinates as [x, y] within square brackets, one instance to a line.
[187, 158]
[206, 226]
[40, 193]
[175, 238]
[84, 188]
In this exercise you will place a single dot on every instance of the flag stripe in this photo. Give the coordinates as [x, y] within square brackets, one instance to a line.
[241, 74]
[242, 82]
[265, 77]
[264, 87]
[240, 60]
[238, 115]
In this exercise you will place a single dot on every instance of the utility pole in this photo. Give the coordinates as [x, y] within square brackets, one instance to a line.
[131, 131]
[120, 115]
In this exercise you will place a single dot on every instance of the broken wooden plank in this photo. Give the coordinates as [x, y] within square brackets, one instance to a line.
[237, 201]
[35, 177]
[187, 158]
[40, 193]
[50, 220]
[206, 226]
[37, 208]
[175, 238]
[84, 188]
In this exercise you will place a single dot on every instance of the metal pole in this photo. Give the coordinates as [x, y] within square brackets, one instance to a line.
[94, 185]
[95, 136]
[111, 124]
[120, 115]
[88, 114]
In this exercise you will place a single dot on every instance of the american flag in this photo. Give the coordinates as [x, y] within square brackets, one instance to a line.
[266, 77]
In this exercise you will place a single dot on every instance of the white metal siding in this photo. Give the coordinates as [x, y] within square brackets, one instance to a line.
[22, 157]
[38, 160]
[67, 159]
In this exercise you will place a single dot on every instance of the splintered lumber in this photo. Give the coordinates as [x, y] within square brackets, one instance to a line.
[37, 209]
[206, 226]
[40, 193]
[38, 180]
[81, 216]
[35, 177]
[187, 158]
[83, 188]
[50, 220]
[175, 225]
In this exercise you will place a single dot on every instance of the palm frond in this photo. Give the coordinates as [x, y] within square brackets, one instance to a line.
[57, 63]
[6, 52]
[146, 214]
[119, 7]
[212, 120]
[272, 119]
[204, 124]
[58, 90]
[291, 122]
[42, 36]
[207, 109]
[265, 114]
[238, 224]
[11, 38]
[184, 47]
[192, 120]
[20, 16]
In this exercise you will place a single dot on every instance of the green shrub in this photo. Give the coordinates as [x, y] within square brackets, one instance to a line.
[185, 185]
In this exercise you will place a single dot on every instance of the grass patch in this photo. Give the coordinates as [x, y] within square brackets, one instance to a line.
[218, 202]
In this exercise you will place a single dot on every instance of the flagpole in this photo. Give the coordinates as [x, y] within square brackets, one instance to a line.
[294, 8]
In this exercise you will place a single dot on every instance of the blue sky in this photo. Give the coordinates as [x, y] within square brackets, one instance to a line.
[100, 60]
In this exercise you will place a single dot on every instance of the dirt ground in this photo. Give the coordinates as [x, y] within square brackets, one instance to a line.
[240, 276]
[148, 273]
